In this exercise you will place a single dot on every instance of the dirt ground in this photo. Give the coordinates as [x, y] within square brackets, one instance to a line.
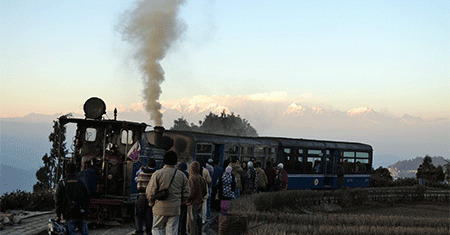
[438, 210]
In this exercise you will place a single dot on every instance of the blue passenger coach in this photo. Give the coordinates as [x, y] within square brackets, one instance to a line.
[313, 164]
[310, 164]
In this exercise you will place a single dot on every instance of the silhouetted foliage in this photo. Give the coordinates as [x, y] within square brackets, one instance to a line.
[430, 172]
[381, 177]
[51, 173]
[21, 200]
[225, 124]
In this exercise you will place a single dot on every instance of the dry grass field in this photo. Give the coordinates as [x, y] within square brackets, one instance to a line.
[366, 217]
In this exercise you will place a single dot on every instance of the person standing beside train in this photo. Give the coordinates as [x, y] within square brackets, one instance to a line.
[183, 214]
[198, 191]
[166, 213]
[142, 210]
[284, 177]
[72, 201]
[206, 173]
[262, 178]
[237, 171]
[250, 179]
[218, 172]
[227, 187]
[270, 173]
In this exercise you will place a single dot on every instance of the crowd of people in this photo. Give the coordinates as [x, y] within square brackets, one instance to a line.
[206, 187]
[175, 201]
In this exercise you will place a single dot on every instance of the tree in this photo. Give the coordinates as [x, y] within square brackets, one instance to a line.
[51, 172]
[181, 124]
[381, 177]
[432, 173]
[225, 124]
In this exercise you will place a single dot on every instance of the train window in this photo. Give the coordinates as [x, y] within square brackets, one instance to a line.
[127, 137]
[363, 160]
[349, 165]
[310, 163]
[91, 134]
[231, 149]
[362, 155]
[315, 152]
[260, 155]
[287, 150]
[204, 148]
[300, 151]
[349, 154]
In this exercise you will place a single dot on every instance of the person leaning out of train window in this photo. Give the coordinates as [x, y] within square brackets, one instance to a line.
[142, 211]
[262, 178]
[198, 190]
[166, 212]
[72, 201]
[284, 177]
[237, 171]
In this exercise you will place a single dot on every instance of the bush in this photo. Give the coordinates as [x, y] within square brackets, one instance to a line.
[405, 182]
[21, 200]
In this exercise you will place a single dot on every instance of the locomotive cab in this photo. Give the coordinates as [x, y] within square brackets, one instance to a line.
[105, 151]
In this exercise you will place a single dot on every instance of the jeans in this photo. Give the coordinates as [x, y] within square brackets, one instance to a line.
[81, 224]
[183, 220]
[237, 192]
[143, 215]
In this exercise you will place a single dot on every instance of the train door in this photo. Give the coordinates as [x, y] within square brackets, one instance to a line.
[331, 157]
[218, 153]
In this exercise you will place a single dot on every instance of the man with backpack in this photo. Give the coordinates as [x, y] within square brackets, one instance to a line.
[72, 201]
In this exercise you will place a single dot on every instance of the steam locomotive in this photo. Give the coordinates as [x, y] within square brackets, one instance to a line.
[107, 155]
[113, 151]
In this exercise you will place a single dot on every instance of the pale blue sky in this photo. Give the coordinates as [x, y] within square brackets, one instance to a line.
[387, 55]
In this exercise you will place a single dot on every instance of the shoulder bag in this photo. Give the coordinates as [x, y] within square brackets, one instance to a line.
[163, 194]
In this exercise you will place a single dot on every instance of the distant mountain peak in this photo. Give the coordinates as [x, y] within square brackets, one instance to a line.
[294, 109]
[360, 111]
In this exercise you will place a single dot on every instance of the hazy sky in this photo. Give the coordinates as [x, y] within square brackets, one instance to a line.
[392, 56]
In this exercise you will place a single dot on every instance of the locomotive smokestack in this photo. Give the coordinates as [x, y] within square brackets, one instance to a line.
[159, 130]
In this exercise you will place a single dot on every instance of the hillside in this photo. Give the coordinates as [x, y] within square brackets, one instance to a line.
[408, 168]
[13, 178]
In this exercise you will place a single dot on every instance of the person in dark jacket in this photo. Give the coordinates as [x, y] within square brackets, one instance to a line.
[142, 211]
[183, 214]
[270, 173]
[218, 172]
[72, 201]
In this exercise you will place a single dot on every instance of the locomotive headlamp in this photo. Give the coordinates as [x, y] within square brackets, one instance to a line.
[94, 108]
